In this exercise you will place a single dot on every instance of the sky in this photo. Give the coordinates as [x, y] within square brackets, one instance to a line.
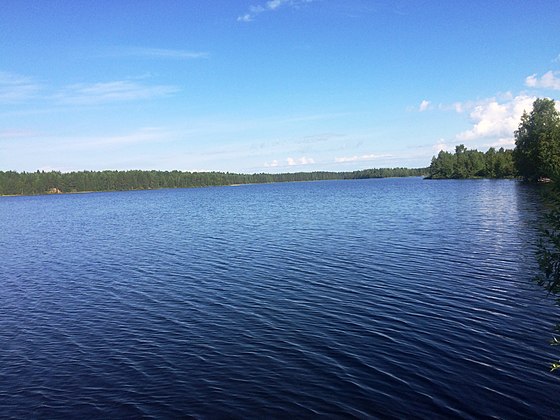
[267, 85]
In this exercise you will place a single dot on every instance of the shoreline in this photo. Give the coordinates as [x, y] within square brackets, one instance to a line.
[201, 186]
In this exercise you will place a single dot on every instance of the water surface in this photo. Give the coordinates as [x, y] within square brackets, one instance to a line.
[373, 298]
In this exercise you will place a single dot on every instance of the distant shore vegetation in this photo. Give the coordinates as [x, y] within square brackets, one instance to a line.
[40, 182]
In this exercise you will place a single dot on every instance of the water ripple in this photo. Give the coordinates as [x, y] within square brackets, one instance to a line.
[384, 298]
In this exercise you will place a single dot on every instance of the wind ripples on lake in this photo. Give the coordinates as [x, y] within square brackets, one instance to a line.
[384, 298]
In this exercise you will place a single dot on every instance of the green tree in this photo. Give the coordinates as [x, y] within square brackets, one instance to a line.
[537, 141]
[41, 182]
[548, 254]
[490, 163]
[472, 164]
[503, 164]
[442, 166]
[549, 151]
[461, 160]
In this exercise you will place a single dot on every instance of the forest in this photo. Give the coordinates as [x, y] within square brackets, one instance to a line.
[466, 163]
[40, 182]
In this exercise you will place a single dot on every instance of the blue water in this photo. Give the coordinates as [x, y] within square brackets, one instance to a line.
[374, 298]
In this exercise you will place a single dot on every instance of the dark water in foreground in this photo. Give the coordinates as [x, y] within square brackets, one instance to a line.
[375, 298]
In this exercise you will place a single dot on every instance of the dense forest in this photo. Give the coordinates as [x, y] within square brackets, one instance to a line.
[30, 183]
[472, 164]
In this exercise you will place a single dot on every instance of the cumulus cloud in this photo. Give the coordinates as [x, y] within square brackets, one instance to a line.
[16, 88]
[122, 90]
[356, 158]
[269, 6]
[549, 80]
[424, 105]
[496, 119]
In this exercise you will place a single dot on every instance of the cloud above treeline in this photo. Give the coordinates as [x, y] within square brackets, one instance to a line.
[493, 121]
[497, 119]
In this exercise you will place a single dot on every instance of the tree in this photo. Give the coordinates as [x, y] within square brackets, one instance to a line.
[503, 164]
[490, 163]
[442, 166]
[548, 254]
[549, 151]
[41, 182]
[472, 164]
[537, 142]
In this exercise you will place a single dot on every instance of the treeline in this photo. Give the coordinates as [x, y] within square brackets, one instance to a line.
[473, 164]
[40, 182]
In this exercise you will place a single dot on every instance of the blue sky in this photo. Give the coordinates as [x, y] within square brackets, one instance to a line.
[267, 85]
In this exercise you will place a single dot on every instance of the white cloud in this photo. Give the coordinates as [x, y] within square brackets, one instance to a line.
[122, 90]
[424, 105]
[290, 161]
[458, 107]
[506, 143]
[269, 6]
[16, 88]
[549, 80]
[299, 161]
[496, 119]
[346, 159]
[441, 145]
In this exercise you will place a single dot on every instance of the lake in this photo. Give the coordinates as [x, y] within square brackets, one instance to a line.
[368, 298]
